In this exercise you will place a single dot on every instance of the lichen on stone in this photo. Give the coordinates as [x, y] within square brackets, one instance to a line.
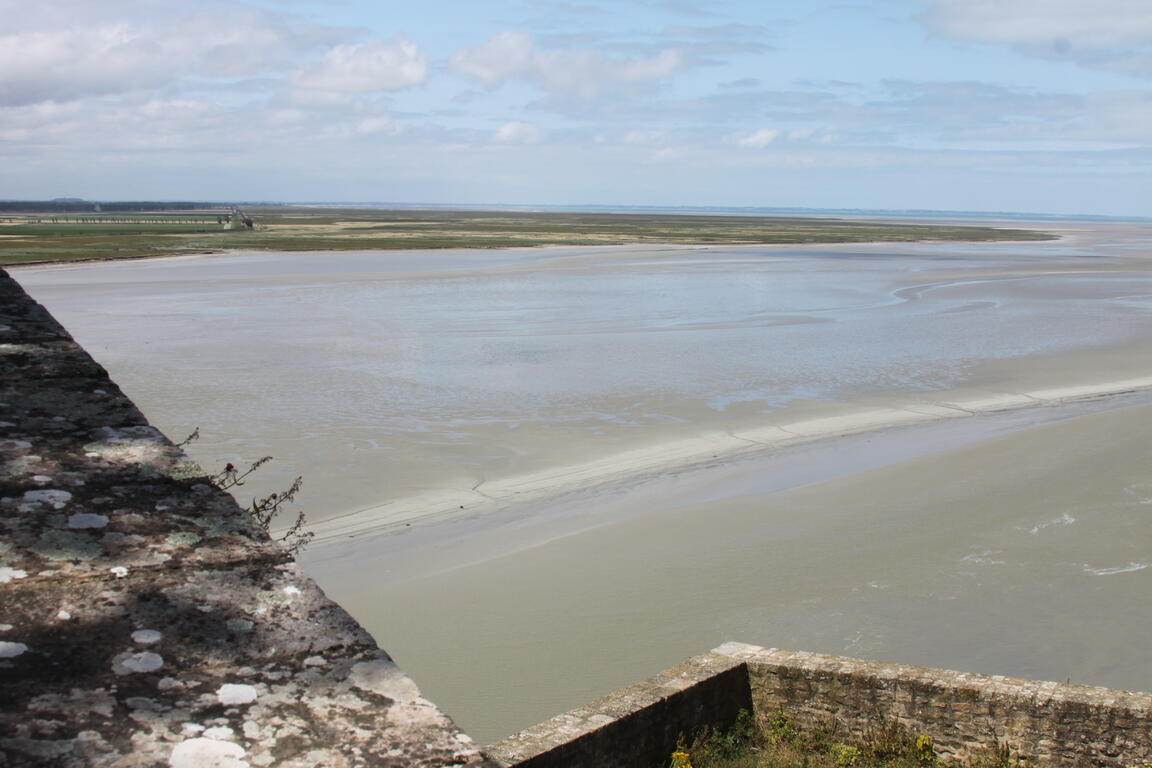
[232, 694]
[10, 650]
[207, 753]
[54, 497]
[10, 574]
[65, 545]
[183, 539]
[87, 520]
[138, 663]
[146, 636]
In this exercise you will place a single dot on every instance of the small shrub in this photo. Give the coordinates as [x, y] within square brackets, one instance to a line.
[924, 751]
[844, 755]
[729, 748]
[735, 740]
[999, 756]
[887, 739]
[264, 510]
[780, 743]
[779, 729]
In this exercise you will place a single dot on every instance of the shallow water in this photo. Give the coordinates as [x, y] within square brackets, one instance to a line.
[381, 375]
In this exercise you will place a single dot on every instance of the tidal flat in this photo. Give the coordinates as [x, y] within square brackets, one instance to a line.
[541, 474]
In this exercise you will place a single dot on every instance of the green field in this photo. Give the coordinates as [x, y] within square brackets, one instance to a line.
[30, 238]
[109, 228]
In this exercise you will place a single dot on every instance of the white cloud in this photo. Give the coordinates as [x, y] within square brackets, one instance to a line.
[116, 123]
[643, 138]
[759, 139]
[382, 125]
[721, 39]
[1091, 23]
[322, 100]
[283, 116]
[68, 51]
[517, 132]
[508, 53]
[376, 65]
[585, 73]
[582, 72]
[1105, 34]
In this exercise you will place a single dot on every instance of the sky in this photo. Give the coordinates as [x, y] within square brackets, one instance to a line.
[985, 105]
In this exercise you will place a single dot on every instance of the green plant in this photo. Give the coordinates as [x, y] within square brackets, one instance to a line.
[888, 739]
[732, 747]
[999, 755]
[779, 728]
[844, 755]
[735, 740]
[924, 751]
[781, 743]
[264, 510]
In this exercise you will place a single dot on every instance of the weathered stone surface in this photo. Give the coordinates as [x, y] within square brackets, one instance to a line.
[966, 715]
[144, 620]
[1050, 724]
[638, 725]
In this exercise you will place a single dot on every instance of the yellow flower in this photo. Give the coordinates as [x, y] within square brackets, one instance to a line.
[681, 760]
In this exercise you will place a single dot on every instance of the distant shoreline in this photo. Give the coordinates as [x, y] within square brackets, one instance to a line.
[81, 206]
[27, 238]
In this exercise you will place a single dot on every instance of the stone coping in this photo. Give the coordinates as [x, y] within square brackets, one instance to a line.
[635, 725]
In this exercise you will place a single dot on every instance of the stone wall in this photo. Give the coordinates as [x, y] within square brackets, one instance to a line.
[144, 621]
[1050, 724]
[636, 727]
[966, 715]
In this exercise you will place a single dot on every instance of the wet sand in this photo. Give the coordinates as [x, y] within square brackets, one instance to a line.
[1025, 554]
[795, 427]
[540, 475]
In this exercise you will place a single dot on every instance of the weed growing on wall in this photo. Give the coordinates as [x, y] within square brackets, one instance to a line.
[266, 509]
[780, 743]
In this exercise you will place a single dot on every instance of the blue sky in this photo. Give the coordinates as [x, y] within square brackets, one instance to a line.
[1026, 105]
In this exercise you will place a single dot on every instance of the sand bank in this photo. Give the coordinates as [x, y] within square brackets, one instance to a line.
[677, 457]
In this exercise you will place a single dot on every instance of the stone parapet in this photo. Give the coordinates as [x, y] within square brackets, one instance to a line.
[1047, 723]
[144, 620]
[967, 716]
[638, 726]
